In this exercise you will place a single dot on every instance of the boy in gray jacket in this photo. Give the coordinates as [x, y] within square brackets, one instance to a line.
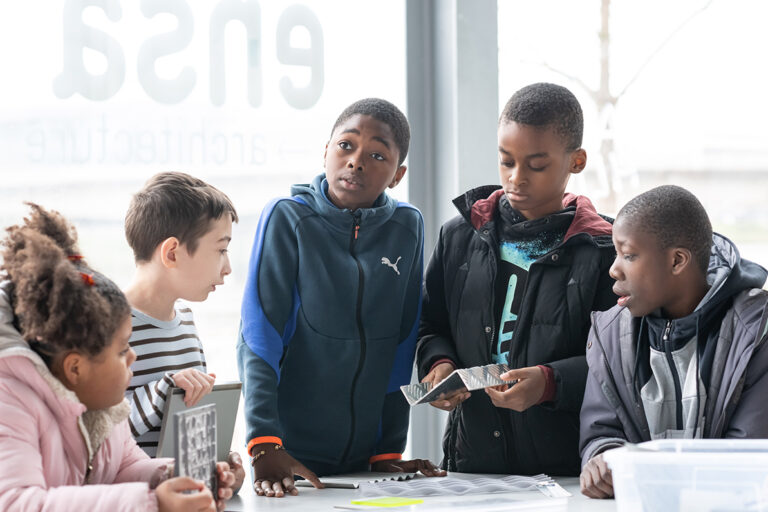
[683, 353]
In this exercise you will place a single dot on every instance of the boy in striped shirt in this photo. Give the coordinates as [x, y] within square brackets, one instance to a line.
[179, 228]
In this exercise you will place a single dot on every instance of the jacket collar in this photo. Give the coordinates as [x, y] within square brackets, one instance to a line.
[315, 195]
[478, 206]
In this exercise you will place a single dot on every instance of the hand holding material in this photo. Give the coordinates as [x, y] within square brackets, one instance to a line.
[171, 498]
[450, 401]
[195, 384]
[226, 481]
[529, 385]
[236, 465]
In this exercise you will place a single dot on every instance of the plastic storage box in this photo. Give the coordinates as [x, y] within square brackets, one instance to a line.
[701, 475]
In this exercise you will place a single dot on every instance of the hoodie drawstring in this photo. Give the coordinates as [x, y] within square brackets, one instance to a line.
[636, 368]
[696, 375]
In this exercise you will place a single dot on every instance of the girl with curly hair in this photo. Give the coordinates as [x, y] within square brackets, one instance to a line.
[64, 367]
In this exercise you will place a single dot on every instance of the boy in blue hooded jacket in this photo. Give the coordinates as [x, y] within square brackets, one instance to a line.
[330, 313]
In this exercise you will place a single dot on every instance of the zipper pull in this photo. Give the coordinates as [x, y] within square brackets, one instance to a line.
[666, 330]
[354, 233]
[356, 221]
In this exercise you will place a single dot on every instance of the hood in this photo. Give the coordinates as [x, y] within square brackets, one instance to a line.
[727, 276]
[479, 206]
[315, 195]
[25, 365]
[11, 341]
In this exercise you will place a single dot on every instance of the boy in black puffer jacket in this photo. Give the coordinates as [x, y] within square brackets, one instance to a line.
[513, 280]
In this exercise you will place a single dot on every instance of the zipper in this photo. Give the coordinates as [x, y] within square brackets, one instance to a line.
[492, 345]
[452, 449]
[89, 456]
[675, 376]
[495, 261]
[359, 320]
[495, 333]
[523, 302]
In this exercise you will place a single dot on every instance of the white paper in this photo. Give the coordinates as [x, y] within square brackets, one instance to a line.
[353, 480]
[496, 505]
[456, 486]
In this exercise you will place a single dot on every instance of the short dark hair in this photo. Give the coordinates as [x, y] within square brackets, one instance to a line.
[387, 113]
[675, 217]
[543, 105]
[61, 304]
[173, 204]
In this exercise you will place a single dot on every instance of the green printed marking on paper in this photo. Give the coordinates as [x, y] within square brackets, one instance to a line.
[388, 502]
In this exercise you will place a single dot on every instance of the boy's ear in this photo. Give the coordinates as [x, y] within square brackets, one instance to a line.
[398, 176]
[681, 260]
[169, 249]
[578, 161]
[325, 154]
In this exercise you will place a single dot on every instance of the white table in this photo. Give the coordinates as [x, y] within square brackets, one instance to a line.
[310, 499]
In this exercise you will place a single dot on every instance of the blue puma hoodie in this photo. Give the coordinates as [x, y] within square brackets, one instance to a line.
[328, 327]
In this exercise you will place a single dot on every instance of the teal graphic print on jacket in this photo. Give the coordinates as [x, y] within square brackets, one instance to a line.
[516, 258]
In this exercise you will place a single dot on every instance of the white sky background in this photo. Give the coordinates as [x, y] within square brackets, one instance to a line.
[700, 103]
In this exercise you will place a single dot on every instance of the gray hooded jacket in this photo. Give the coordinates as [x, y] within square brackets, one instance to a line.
[703, 375]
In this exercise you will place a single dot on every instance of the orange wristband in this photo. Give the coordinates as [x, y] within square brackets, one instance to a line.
[385, 456]
[264, 439]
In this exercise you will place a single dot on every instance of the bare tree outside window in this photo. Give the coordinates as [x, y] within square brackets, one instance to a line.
[673, 93]
[605, 101]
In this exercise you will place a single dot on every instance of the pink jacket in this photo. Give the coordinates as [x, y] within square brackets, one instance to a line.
[48, 441]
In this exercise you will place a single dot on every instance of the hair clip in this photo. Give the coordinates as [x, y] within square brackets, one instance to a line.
[87, 278]
[75, 257]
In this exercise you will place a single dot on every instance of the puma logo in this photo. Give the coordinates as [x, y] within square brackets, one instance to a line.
[385, 261]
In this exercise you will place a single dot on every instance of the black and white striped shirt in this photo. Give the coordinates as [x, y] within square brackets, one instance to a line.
[162, 349]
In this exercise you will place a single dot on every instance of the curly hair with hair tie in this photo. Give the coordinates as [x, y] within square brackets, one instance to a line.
[61, 303]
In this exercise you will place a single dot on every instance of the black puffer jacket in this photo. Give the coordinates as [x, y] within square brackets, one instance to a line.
[458, 322]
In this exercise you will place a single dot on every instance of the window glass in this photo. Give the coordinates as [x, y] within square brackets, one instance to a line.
[689, 86]
[97, 96]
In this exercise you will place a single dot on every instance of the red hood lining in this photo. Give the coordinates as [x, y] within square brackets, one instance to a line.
[586, 219]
